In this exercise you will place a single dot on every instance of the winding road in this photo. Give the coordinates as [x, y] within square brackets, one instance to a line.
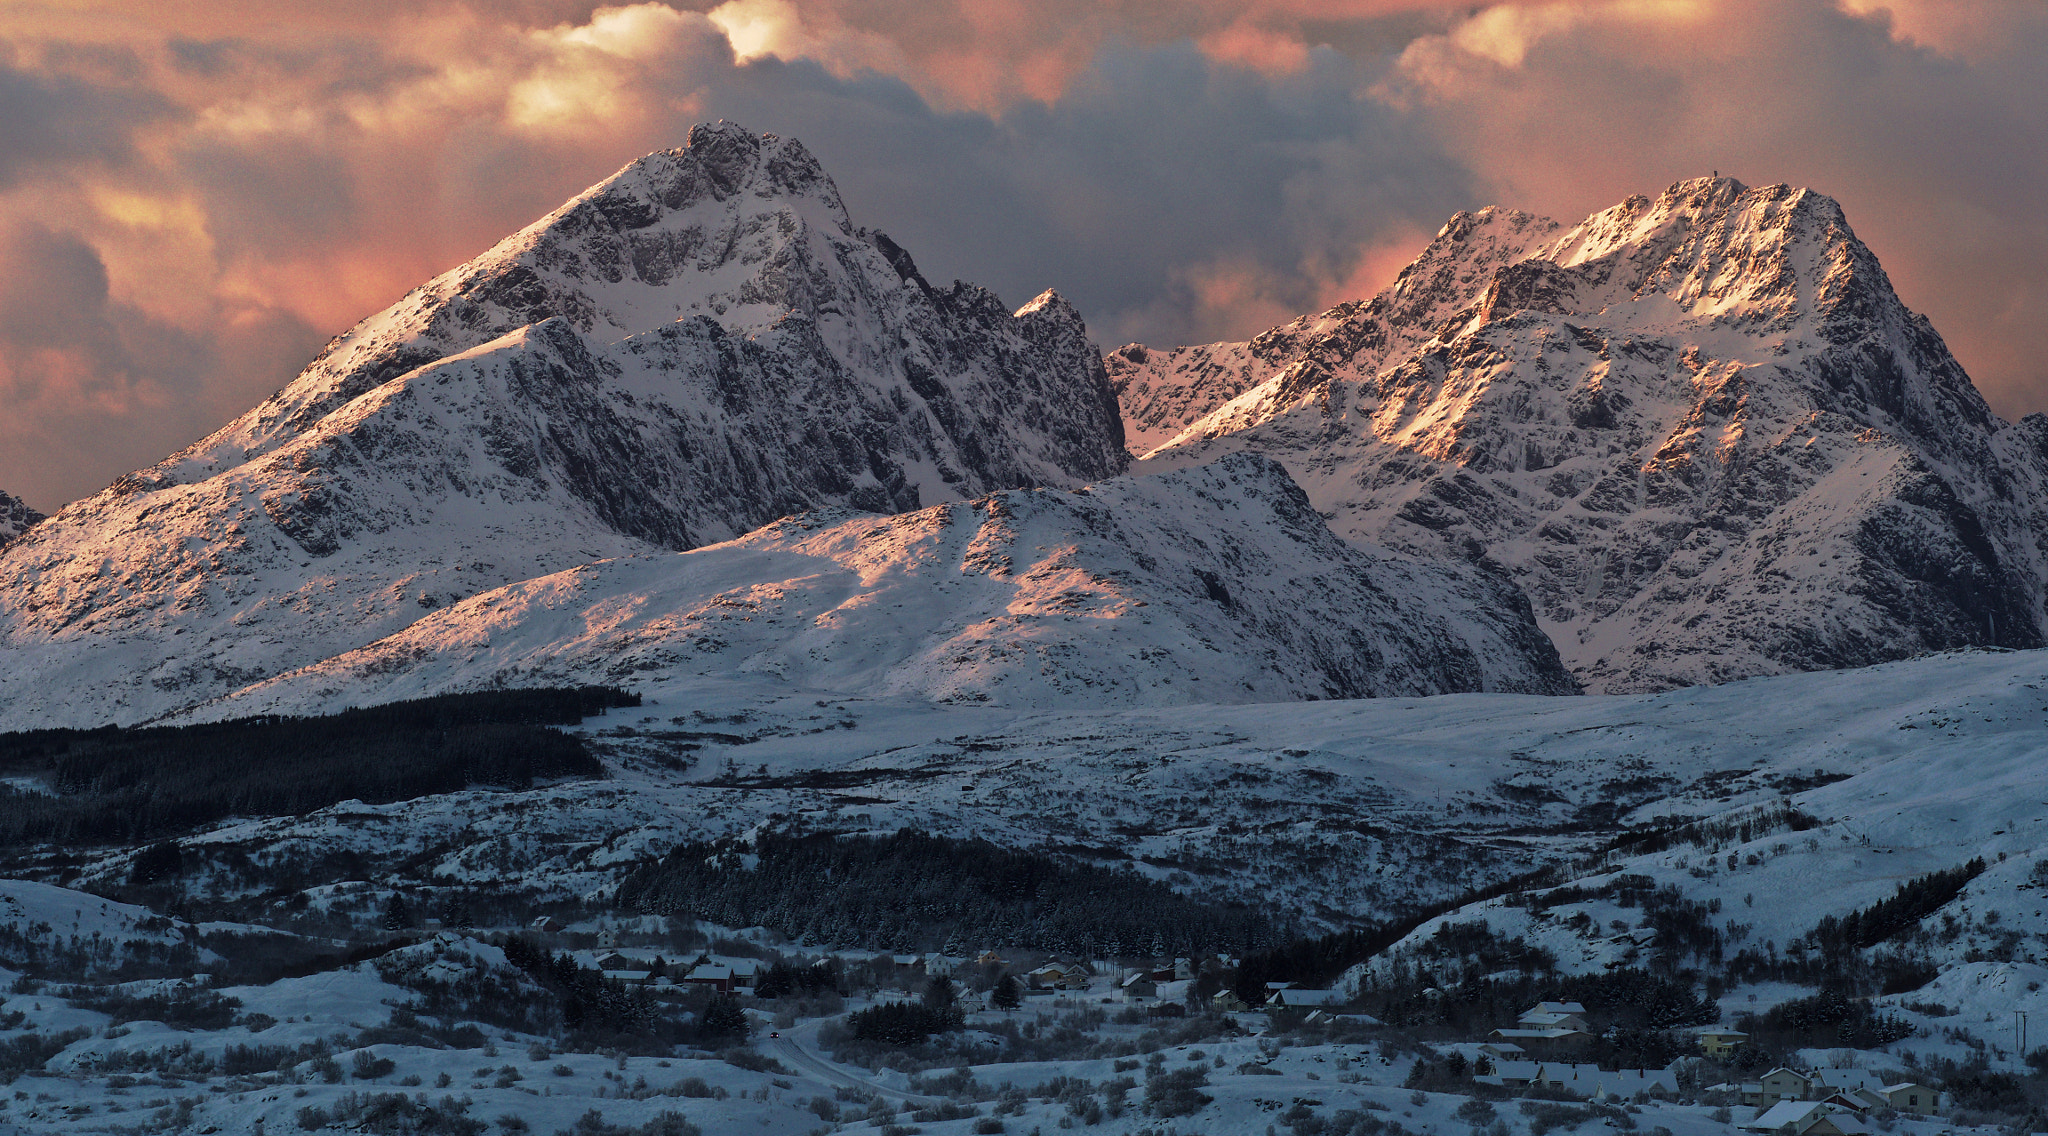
[794, 1049]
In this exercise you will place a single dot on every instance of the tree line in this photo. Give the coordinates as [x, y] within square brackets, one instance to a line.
[1893, 917]
[913, 890]
[124, 785]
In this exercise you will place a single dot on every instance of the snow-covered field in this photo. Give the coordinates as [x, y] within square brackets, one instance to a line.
[1325, 810]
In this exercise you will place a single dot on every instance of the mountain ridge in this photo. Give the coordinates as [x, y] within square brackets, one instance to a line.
[1217, 583]
[1701, 430]
[690, 349]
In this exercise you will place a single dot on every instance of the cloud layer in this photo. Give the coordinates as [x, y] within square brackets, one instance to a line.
[193, 196]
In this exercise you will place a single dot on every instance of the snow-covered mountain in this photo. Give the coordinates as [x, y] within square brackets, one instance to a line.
[695, 346]
[15, 516]
[1701, 431]
[1217, 584]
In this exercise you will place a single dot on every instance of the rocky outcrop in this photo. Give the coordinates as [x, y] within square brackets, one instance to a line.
[15, 517]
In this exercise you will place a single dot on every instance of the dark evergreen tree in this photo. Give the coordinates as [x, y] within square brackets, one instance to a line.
[940, 994]
[397, 914]
[1006, 995]
[722, 1019]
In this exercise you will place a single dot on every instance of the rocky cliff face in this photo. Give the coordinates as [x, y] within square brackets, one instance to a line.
[1215, 584]
[15, 517]
[694, 347]
[1701, 431]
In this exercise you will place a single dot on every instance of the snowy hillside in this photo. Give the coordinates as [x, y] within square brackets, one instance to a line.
[1701, 431]
[694, 347]
[15, 516]
[1216, 584]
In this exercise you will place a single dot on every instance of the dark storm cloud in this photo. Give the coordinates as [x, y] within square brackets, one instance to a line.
[93, 384]
[52, 120]
[1164, 165]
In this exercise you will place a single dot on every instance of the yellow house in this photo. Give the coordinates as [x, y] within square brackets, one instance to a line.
[1720, 1043]
[1910, 1096]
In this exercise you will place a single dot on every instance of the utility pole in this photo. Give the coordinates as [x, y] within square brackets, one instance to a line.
[2019, 1030]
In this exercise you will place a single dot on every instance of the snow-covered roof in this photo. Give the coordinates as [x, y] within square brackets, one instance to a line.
[1298, 997]
[1583, 1077]
[1779, 1115]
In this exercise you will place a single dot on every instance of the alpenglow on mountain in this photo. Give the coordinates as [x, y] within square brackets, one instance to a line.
[1701, 431]
[692, 349]
[1215, 584]
[696, 346]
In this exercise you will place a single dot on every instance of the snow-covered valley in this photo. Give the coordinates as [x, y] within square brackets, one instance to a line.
[1330, 811]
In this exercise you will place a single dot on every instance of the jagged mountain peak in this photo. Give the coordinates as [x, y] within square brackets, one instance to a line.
[745, 228]
[691, 348]
[1701, 429]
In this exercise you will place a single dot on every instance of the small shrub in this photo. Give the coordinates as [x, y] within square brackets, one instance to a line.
[368, 1066]
[752, 1061]
[1177, 1093]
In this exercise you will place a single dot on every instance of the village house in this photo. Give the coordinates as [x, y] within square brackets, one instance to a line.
[716, 977]
[1140, 987]
[1780, 1084]
[1720, 1043]
[1058, 976]
[1542, 1042]
[1295, 996]
[1547, 1029]
[1910, 1096]
[1227, 1002]
[1808, 1118]
[1555, 1015]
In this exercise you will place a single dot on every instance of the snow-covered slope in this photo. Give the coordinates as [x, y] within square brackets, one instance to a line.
[1908, 768]
[1701, 431]
[1216, 584]
[15, 516]
[694, 347]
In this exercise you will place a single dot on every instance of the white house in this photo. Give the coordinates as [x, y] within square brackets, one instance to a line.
[1555, 1015]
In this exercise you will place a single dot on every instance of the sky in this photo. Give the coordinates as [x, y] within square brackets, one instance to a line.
[196, 194]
